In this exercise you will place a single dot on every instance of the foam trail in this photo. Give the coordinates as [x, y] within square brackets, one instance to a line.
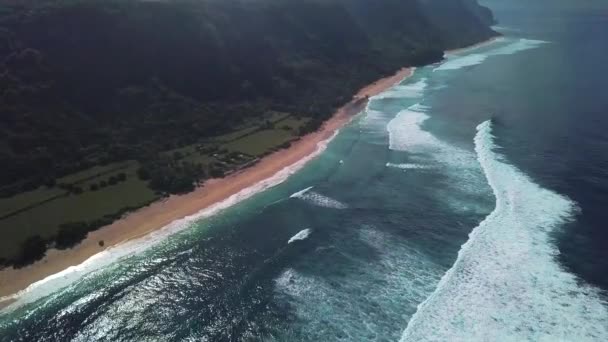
[408, 90]
[100, 260]
[406, 134]
[301, 192]
[505, 29]
[459, 61]
[505, 284]
[362, 305]
[317, 199]
[375, 120]
[408, 166]
[302, 235]
[462, 62]
[517, 46]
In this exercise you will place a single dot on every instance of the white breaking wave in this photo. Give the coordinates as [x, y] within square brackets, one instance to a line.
[409, 166]
[301, 192]
[405, 133]
[100, 260]
[506, 284]
[318, 199]
[408, 90]
[361, 304]
[505, 29]
[458, 167]
[517, 46]
[459, 61]
[456, 63]
[375, 120]
[302, 235]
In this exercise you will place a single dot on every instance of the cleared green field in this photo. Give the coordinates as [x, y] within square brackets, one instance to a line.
[276, 116]
[45, 220]
[251, 127]
[95, 171]
[234, 135]
[25, 199]
[260, 142]
[292, 123]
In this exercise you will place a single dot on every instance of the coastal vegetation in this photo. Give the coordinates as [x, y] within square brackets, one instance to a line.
[109, 105]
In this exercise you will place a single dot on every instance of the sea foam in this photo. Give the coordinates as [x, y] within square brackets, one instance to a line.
[301, 235]
[506, 284]
[462, 62]
[317, 199]
[409, 166]
[408, 90]
[507, 47]
[363, 297]
[374, 121]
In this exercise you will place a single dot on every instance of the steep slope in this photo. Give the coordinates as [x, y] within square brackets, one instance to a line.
[79, 74]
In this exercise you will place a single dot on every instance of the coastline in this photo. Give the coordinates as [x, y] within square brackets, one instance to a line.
[160, 214]
[474, 46]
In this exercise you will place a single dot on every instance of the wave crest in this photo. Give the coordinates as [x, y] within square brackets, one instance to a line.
[317, 199]
[505, 284]
[301, 235]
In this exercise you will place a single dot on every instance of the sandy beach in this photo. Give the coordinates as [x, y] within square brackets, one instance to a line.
[160, 214]
[474, 46]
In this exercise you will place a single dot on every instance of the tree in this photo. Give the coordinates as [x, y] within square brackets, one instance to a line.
[32, 249]
[94, 187]
[112, 180]
[51, 182]
[121, 177]
[143, 174]
[70, 234]
[216, 172]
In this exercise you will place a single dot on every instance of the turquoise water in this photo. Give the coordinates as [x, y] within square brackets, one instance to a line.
[456, 207]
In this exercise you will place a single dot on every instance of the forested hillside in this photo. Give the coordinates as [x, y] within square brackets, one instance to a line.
[91, 81]
[88, 83]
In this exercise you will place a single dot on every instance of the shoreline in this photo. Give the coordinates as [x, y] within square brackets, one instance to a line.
[158, 215]
[474, 46]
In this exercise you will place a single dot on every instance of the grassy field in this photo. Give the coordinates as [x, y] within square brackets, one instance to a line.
[25, 199]
[43, 211]
[95, 172]
[45, 219]
[260, 142]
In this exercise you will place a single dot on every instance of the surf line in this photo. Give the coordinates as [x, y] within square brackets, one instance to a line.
[505, 276]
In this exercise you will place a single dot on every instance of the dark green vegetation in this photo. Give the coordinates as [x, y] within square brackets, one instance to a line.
[145, 98]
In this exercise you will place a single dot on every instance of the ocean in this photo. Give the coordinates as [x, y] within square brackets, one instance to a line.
[465, 204]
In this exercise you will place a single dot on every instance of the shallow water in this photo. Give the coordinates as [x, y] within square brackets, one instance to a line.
[464, 204]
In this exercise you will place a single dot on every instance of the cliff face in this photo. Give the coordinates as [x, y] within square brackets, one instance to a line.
[459, 23]
[79, 75]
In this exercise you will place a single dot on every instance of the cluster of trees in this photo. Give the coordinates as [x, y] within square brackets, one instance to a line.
[77, 190]
[168, 175]
[112, 180]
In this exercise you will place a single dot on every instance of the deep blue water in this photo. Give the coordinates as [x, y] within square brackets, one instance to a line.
[501, 149]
